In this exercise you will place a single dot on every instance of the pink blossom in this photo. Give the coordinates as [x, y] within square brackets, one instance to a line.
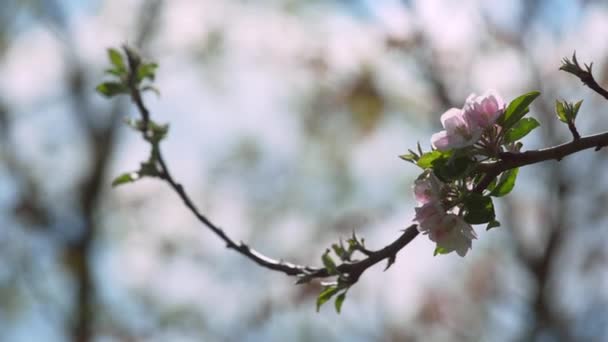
[453, 233]
[482, 111]
[428, 216]
[463, 127]
[459, 131]
[427, 188]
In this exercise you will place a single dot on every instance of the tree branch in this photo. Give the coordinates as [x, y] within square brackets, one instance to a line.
[510, 160]
[352, 270]
[349, 271]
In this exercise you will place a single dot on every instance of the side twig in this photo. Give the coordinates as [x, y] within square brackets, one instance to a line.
[352, 270]
[572, 127]
[585, 75]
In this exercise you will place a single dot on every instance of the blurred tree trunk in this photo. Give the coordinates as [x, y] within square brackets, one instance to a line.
[102, 141]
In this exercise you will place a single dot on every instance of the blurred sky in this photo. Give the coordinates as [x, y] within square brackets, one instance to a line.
[253, 86]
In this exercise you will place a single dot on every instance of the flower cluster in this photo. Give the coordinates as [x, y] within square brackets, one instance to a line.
[450, 231]
[463, 127]
[442, 213]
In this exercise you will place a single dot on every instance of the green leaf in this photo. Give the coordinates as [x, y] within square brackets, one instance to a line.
[326, 295]
[115, 72]
[566, 111]
[329, 263]
[109, 89]
[506, 183]
[339, 250]
[440, 250]
[492, 224]
[517, 109]
[520, 129]
[479, 209]
[577, 106]
[157, 132]
[339, 301]
[116, 59]
[492, 184]
[127, 177]
[561, 111]
[448, 169]
[410, 157]
[447, 165]
[426, 160]
[146, 70]
[136, 124]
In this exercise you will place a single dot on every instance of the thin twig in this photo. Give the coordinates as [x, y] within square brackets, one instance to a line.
[573, 130]
[585, 75]
[352, 269]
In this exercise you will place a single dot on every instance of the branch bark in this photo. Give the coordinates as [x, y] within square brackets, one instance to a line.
[509, 160]
[352, 269]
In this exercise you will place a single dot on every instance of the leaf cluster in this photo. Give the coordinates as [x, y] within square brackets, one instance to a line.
[127, 71]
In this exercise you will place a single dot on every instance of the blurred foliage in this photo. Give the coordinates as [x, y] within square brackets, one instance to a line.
[157, 275]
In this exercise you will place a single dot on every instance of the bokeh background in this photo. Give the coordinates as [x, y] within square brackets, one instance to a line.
[286, 119]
